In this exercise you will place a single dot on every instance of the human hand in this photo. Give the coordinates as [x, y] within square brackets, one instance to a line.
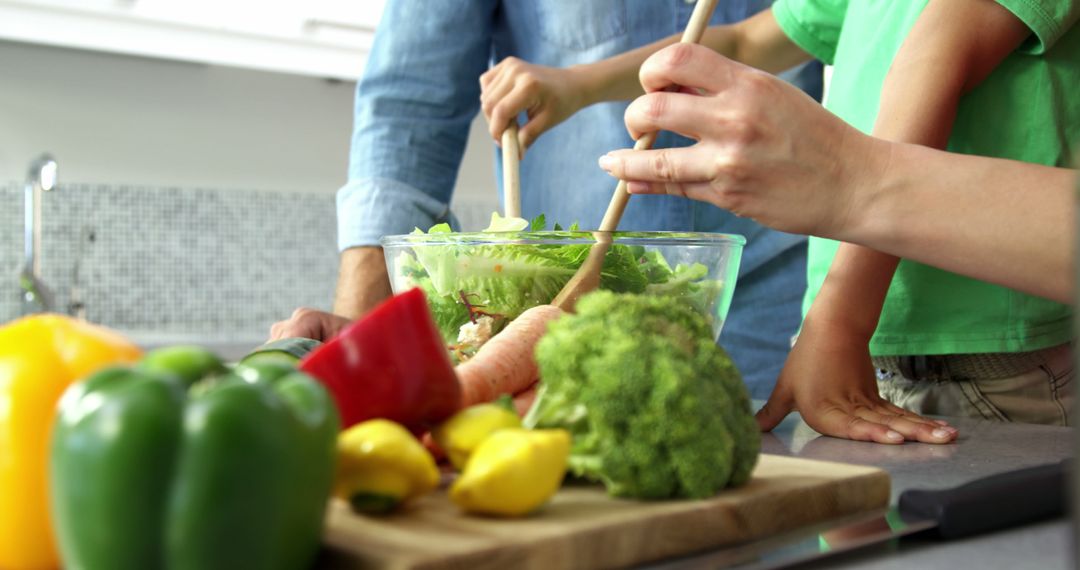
[828, 448]
[309, 323]
[829, 379]
[765, 150]
[548, 95]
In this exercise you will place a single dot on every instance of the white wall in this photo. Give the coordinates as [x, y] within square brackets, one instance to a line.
[125, 120]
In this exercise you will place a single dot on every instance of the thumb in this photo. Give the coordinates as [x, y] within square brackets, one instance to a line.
[776, 408]
[525, 138]
[275, 331]
[329, 327]
[532, 130]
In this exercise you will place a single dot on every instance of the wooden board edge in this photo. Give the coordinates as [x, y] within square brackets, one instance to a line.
[640, 543]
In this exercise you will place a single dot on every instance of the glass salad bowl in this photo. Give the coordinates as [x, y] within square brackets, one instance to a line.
[476, 282]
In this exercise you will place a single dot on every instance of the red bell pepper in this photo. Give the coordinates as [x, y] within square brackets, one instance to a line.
[390, 364]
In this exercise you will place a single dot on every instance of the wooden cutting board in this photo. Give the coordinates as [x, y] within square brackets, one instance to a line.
[584, 528]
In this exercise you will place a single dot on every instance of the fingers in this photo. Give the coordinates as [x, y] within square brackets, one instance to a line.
[876, 423]
[520, 98]
[688, 65]
[901, 411]
[488, 77]
[275, 331]
[506, 90]
[908, 424]
[686, 172]
[532, 130]
[495, 84]
[294, 326]
[776, 408]
[683, 165]
[307, 323]
[492, 100]
[677, 112]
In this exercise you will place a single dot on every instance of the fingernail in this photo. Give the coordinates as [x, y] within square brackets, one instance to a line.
[950, 429]
[940, 433]
[894, 436]
[636, 187]
[606, 162]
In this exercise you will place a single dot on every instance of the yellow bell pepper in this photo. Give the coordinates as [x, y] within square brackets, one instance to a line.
[462, 433]
[513, 472]
[39, 357]
[381, 465]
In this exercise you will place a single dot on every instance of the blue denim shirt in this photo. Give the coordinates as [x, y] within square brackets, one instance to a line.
[420, 92]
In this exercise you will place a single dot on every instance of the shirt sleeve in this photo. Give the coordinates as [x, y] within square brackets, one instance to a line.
[1048, 20]
[814, 25]
[419, 93]
[371, 208]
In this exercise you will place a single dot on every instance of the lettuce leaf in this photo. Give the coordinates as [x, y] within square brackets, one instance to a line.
[501, 224]
[655, 267]
[500, 279]
[463, 280]
[689, 283]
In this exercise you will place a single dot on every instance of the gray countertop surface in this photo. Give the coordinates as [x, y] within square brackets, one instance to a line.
[983, 448]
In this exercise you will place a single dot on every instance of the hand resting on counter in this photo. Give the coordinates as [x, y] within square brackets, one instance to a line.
[309, 323]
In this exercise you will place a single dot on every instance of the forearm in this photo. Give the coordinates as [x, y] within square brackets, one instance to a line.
[362, 281]
[936, 65]
[962, 214]
[854, 290]
[757, 41]
[616, 78]
[858, 280]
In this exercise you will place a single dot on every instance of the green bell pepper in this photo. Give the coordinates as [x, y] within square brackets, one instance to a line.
[157, 470]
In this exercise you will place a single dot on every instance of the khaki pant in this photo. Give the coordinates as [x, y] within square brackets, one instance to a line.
[1034, 387]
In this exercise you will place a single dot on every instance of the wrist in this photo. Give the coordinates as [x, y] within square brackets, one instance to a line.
[605, 80]
[853, 294]
[832, 320]
[860, 188]
[363, 281]
[588, 81]
[882, 200]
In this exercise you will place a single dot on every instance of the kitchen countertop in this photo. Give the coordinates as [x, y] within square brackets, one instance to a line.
[984, 448]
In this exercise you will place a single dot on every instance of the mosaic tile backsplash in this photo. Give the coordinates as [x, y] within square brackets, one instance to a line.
[198, 264]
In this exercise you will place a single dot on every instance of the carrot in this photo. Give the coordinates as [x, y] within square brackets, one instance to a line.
[505, 364]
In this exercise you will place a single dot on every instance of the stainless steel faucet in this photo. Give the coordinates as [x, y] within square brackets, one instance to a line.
[36, 295]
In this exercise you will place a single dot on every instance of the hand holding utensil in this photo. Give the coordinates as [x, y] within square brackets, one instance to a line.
[587, 277]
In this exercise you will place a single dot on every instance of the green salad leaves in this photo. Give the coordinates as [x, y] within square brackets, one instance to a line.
[465, 280]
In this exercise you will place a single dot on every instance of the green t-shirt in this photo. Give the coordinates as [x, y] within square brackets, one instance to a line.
[1028, 109]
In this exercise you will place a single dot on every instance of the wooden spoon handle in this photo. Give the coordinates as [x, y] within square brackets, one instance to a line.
[699, 21]
[620, 198]
[695, 29]
[511, 159]
[587, 277]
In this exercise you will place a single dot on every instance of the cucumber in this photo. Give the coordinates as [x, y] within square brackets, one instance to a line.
[286, 350]
[269, 368]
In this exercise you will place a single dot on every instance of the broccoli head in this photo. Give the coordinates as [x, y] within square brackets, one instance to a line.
[657, 410]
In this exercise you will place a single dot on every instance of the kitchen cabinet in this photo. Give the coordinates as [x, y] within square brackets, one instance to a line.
[322, 38]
